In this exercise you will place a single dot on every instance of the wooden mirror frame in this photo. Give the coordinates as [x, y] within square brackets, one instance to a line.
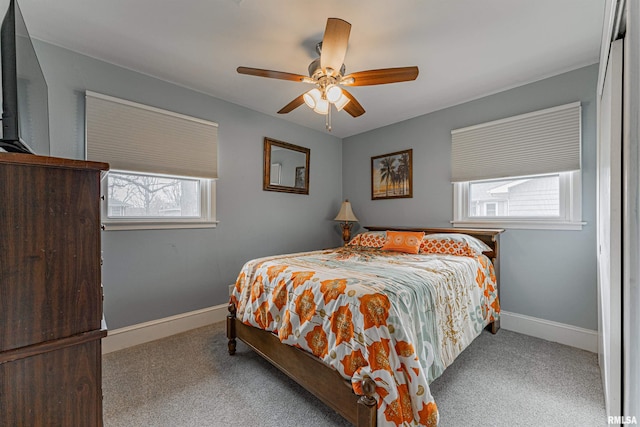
[266, 181]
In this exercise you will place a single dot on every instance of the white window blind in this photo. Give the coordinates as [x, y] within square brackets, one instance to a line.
[136, 137]
[545, 141]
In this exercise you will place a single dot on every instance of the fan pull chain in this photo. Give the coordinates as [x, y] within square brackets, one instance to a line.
[327, 121]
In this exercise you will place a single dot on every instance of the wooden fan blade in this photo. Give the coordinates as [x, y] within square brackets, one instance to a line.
[334, 44]
[271, 74]
[383, 76]
[353, 107]
[292, 105]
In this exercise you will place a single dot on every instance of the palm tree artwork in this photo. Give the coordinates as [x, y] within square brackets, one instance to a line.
[404, 167]
[391, 175]
[387, 172]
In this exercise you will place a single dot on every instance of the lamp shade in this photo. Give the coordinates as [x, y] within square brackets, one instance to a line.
[345, 214]
[333, 93]
[322, 106]
[311, 98]
[341, 102]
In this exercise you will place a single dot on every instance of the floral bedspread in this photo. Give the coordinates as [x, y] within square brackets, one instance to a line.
[399, 319]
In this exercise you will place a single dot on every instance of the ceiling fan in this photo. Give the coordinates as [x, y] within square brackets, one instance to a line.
[327, 74]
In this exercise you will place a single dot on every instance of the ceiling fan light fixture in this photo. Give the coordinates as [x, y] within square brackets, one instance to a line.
[333, 93]
[322, 106]
[309, 100]
[328, 76]
[312, 97]
[341, 102]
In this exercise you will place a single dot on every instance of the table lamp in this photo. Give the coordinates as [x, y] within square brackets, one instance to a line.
[346, 218]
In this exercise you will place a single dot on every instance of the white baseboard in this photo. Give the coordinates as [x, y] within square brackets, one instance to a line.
[161, 328]
[562, 333]
[129, 336]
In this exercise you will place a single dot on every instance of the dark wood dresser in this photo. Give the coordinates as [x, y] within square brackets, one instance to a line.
[50, 292]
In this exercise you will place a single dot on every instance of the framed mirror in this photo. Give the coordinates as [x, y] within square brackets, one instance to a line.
[286, 167]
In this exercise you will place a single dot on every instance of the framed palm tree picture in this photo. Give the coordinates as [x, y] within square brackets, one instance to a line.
[392, 175]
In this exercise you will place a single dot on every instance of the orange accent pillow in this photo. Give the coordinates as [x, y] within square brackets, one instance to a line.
[369, 239]
[453, 244]
[403, 241]
[443, 246]
[354, 241]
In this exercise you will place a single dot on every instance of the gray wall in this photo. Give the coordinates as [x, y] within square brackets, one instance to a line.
[546, 274]
[151, 274]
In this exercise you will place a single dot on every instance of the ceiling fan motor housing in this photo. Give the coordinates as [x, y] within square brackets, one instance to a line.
[315, 70]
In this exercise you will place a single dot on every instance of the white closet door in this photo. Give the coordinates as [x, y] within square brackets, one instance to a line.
[609, 231]
[631, 224]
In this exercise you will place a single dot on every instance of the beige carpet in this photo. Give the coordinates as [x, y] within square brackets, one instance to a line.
[189, 380]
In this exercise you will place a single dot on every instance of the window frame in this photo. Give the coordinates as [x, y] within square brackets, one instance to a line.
[207, 218]
[570, 217]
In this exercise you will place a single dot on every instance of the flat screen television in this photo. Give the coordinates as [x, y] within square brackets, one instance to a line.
[25, 105]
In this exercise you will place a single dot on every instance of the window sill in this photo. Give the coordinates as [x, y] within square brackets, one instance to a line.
[522, 224]
[160, 225]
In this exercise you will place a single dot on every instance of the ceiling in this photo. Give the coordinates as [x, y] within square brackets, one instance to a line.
[464, 49]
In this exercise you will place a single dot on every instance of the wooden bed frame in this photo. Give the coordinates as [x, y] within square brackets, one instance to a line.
[323, 381]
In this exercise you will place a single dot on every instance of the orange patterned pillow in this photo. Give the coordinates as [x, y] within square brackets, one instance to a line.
[453, 244]
[403, 241]
[355, 241]
[369, 239]
[444, 246]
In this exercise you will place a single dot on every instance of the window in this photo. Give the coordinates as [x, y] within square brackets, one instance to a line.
[517, 197]
[163, 165]
[134, 200]
[545, 201]
[519, 172]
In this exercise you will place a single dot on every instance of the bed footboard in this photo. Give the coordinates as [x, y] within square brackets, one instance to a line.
[319, 379]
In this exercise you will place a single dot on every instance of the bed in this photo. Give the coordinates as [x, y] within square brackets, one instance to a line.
[368, 326]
